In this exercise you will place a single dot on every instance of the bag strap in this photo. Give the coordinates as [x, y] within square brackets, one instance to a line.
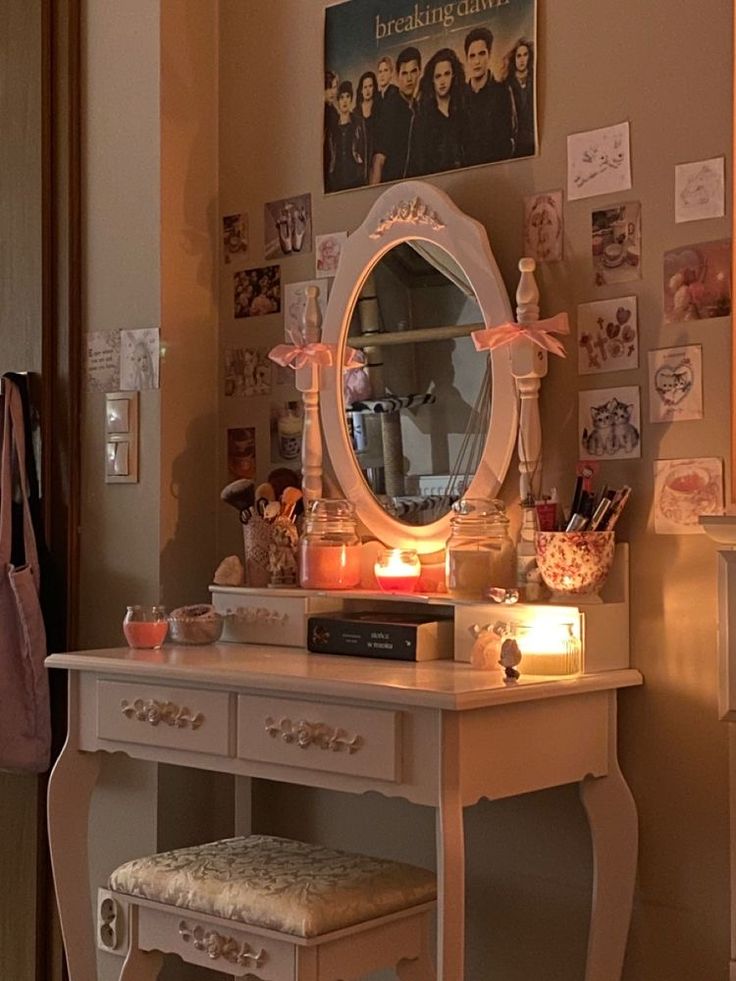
[14, 442]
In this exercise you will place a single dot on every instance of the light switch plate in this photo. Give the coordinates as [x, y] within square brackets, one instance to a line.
[121, 437]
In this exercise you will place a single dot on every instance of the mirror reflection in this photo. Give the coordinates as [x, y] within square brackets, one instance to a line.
[418, 408]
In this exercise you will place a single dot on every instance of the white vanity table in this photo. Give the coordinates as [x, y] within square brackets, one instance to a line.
[438, 733]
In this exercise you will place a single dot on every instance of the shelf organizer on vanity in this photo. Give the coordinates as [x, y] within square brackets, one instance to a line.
[279, 616]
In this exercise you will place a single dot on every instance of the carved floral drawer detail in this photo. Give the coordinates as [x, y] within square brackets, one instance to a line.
[320, 736]
[180, 718]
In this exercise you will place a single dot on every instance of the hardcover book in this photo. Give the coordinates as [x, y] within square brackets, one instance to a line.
[394, 636]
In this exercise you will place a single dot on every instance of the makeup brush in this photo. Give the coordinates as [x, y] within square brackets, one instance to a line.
[240, 494]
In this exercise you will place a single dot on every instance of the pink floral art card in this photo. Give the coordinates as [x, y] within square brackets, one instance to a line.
[608, 336]
[697, 282]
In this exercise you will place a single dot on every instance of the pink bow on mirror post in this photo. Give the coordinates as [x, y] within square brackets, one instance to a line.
[540, 332]
[298, 354]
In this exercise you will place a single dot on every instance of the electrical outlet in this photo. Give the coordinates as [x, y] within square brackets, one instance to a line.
[111, 915]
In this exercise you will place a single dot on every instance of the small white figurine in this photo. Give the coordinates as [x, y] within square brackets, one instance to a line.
[282, 553]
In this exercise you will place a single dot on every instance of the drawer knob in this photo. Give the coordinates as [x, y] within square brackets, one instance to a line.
[306, 734]
[215, 946]
[154, 712]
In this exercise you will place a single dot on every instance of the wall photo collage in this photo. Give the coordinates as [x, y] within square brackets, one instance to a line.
[383, 89]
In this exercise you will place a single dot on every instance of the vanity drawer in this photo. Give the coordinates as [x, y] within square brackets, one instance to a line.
[178, 718]
[254, 617]
[320, 736]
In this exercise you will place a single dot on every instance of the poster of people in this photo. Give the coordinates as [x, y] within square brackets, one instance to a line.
[421, 88]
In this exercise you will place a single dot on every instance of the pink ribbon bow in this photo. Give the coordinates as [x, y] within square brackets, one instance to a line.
[540, 332]
[298, 354]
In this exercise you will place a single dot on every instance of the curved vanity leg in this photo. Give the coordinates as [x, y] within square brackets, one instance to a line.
[615, 835]
[71, 784]
[450, 857]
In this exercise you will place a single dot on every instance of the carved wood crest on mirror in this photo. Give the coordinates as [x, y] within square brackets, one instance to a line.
[413, 416]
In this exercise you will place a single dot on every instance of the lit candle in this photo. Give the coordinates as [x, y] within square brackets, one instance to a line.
[397, 570]
[549, 648]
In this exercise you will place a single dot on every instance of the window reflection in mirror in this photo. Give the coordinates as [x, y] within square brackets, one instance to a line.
[418, 411]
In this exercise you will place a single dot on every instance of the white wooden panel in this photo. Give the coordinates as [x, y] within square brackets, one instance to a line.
[201, 718]
[520, 748]
[727, 635]
[283, 730]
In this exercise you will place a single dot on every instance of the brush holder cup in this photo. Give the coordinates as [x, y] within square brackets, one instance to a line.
[574, 564]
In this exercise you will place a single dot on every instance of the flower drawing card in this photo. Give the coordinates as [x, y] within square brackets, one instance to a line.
[609, 423]
[683, 490]
[676, 384]
[697, 282]
[700, 190]
[608, 336]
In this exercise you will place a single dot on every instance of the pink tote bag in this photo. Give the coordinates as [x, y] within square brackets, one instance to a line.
[25, 726]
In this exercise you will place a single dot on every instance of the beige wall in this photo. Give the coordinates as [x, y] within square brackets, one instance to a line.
[660, 65]
[150, 187]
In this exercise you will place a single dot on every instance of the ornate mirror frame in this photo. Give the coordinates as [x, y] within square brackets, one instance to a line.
[416, 210]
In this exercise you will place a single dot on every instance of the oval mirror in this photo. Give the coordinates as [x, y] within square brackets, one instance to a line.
[425, 418]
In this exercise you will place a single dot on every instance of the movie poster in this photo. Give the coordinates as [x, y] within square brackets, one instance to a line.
[416, 88]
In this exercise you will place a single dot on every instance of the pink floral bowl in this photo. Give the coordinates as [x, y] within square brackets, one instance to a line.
[574, 563]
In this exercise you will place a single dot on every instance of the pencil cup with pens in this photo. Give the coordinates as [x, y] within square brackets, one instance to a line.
[575, 563]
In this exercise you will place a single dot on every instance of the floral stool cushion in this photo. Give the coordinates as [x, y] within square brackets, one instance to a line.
[277, 884]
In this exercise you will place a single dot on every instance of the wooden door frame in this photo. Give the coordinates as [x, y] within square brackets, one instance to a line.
[58, 390]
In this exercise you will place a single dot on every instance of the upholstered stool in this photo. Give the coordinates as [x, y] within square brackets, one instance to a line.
[277, 909]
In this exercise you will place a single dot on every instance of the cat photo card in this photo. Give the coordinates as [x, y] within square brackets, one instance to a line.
[683, 490]
[609, 423]
[676, 384]
[608, 336]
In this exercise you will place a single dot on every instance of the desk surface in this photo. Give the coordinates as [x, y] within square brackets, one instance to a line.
[433, 684]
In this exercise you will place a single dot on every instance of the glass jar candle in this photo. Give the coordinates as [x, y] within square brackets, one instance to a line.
[329, 549]
[145, 626]
[397, 570]
[479, 553]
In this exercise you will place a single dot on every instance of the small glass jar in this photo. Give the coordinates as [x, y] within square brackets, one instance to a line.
[397, 570]
[145, 626]
[480, 553]
[329, 549]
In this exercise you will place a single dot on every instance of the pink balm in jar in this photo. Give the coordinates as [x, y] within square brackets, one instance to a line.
[145, 627]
